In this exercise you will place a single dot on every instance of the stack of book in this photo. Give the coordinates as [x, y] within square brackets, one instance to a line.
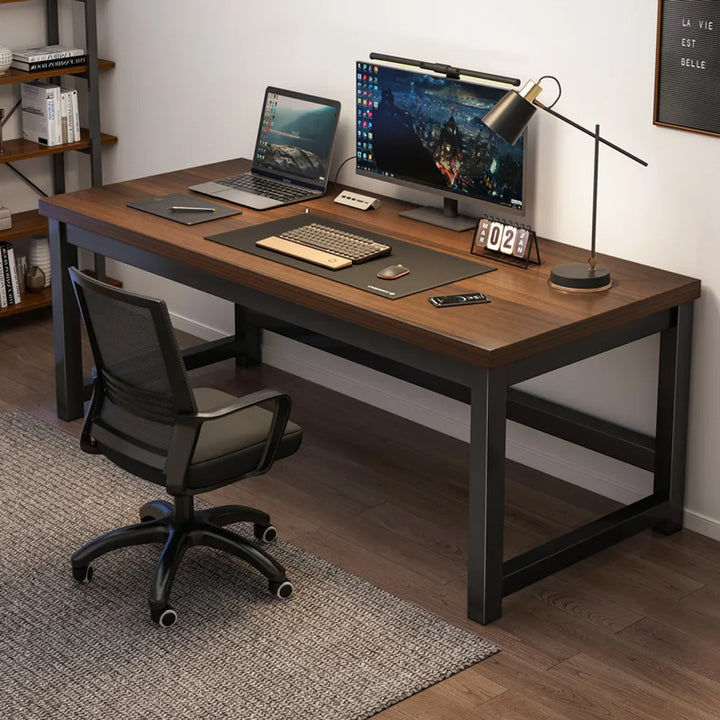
[49, 113]
[12, 276]
[48, 57]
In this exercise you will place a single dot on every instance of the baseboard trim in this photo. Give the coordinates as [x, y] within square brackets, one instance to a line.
[701, 524]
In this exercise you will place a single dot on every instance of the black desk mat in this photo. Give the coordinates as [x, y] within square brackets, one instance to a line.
[160, 206]
[428, 268]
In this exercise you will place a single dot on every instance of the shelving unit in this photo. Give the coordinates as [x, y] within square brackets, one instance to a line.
[29, 222]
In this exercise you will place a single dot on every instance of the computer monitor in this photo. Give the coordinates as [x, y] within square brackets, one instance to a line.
[426, 132]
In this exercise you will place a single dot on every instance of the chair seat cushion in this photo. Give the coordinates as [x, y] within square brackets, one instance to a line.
[231, 446]
[227, 448]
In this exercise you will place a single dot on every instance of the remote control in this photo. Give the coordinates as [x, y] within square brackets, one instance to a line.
[452, 300]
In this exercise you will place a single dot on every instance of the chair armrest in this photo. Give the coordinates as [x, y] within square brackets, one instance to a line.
[187, 431]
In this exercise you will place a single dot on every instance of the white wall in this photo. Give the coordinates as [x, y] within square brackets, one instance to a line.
[187, 90]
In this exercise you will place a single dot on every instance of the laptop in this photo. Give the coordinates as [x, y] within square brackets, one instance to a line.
[292, 153]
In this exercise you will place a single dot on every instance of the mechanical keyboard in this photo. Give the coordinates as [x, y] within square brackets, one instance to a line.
[326, 246]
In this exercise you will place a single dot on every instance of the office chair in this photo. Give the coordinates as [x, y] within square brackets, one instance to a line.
[145, 418]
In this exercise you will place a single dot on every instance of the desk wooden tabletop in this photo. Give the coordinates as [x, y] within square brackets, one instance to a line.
[525, 316]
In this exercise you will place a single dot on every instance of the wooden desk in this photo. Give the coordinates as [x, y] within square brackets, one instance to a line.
[475, 353]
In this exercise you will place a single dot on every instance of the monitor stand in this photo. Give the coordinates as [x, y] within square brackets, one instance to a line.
[447, 217]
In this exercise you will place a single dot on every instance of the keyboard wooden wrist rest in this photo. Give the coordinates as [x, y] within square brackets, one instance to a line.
[311, 255]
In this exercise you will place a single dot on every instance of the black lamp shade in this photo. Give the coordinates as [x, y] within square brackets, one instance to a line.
[510, 116]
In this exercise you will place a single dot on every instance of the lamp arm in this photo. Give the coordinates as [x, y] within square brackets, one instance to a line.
[589, 132]
[443, 69]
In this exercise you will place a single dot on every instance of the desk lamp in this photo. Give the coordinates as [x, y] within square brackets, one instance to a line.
[508, 119]
[444, 69]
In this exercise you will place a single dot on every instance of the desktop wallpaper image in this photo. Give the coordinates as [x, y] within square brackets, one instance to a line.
[296, 137]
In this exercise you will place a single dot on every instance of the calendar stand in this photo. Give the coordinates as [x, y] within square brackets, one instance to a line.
[506, 243]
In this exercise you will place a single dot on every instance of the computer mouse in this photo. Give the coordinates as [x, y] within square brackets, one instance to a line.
[392, 272]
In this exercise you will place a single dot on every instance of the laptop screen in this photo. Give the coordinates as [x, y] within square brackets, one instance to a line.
[296, 136]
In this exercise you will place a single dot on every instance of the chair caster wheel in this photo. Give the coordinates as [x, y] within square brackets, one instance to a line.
[267, 533]
[83, 574]
[164, 617]
[283, 589]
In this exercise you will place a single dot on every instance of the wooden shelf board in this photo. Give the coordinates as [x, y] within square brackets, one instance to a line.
[19, 149]
[25, 223]
[30, 301]
[17, 76]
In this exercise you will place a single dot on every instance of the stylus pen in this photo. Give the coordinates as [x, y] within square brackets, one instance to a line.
[187, 208]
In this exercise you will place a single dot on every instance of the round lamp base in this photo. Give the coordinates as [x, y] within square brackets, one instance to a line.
[578, 277]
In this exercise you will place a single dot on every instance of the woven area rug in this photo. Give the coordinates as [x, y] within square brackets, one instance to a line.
[340, 648]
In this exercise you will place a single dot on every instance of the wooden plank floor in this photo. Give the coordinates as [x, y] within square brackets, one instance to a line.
[633, 632]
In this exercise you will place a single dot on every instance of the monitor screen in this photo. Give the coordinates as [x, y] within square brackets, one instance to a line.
[426, 131]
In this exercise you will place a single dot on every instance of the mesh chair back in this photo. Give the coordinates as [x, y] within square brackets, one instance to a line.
[140, 372]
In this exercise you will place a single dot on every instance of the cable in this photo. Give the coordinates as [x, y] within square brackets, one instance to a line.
[342, 165]
[552, 77]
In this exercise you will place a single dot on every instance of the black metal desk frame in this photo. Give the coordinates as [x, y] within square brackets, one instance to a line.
[489, 391]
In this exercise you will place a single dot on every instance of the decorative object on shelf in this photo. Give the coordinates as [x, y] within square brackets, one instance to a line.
[34, 280]
[506, 242]
[2, 115]
[39, 257]
[508, 119]
[6, 56]
[5, 218]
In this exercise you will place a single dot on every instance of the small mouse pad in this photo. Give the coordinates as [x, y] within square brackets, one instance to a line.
[162, 206]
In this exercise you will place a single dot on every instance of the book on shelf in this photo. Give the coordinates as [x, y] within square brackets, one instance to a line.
[47, 52]
[5, 216]
[3, 296]
[77, 137]
[9, 271]
[69, 115]
[21, 263]
[57, 63]
[41, 109]
[64, 101]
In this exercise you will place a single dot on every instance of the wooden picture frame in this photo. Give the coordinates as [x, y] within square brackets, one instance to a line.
[687, 66]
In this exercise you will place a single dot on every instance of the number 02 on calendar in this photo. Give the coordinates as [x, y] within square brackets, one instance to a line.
[508, 241]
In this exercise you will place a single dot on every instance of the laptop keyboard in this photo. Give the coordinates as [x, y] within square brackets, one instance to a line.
[326, 246]
[267, 188]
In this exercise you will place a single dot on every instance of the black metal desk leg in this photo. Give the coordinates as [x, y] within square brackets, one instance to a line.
[486, 495]
[250, 335]
[672, 417]
[66, 326]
